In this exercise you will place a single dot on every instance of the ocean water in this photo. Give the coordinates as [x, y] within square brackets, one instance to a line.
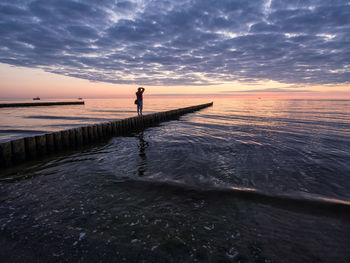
[247, 180]
[29, 121]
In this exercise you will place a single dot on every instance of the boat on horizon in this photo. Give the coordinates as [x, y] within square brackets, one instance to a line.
[37, 98]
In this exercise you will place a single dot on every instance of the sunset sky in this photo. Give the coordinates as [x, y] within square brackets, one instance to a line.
[88, 48]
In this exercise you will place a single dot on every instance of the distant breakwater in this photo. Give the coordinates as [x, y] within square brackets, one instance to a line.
[29, 148]
[32, 104]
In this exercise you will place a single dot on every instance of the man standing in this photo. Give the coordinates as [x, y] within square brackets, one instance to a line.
[139, 99]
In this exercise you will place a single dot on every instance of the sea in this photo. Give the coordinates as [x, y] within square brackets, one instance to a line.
[246, 180]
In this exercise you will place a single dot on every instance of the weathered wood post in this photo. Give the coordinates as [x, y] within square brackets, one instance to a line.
[72, 142]
[65, 139]
[40, 141]
[58, 141]
[85, 135]
[95, 133]
[5, 154]
[50, 143]
[79, 140]
[30, 147]
[100, 131]
[113, 128]
[91, 133]
[18, 151]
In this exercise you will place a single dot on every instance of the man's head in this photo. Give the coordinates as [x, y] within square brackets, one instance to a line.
[139, 89]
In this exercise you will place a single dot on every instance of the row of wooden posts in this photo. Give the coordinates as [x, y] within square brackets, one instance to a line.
[29, 148]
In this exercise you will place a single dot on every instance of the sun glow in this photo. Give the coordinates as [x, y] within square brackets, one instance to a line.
[19, 82]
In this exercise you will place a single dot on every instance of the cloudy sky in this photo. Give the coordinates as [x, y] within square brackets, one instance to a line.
[289, 44]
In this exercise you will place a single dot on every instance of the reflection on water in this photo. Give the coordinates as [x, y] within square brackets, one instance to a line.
[243, 189]
[21, 122]
[242, 181]
[142, 147]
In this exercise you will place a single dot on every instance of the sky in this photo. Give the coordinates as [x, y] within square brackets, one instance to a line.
[88, 48]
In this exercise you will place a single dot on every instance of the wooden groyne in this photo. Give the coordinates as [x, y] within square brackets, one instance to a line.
[31, 104]
[29, 148]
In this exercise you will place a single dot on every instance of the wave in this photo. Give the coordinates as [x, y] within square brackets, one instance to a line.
[300, 201]
[266, 119]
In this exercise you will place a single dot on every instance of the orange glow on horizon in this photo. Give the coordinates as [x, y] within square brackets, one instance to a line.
[26, 83]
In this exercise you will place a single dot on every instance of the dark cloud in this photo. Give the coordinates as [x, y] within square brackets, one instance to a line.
[184, 42]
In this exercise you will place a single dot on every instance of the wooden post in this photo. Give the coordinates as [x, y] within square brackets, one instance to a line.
[65, 139]
[18, 151]
[91, 133]
[79, 136]
[119, 128]
[58, 141]
[5, 154]
[113, 128]
[50, 143]
[27, 148]
[72, 141]
[100, 131]
[85, 135]
[30, 146]
[40, 141]
[95, 133]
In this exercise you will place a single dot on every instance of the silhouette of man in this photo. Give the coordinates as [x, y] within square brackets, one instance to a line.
[139, 99]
